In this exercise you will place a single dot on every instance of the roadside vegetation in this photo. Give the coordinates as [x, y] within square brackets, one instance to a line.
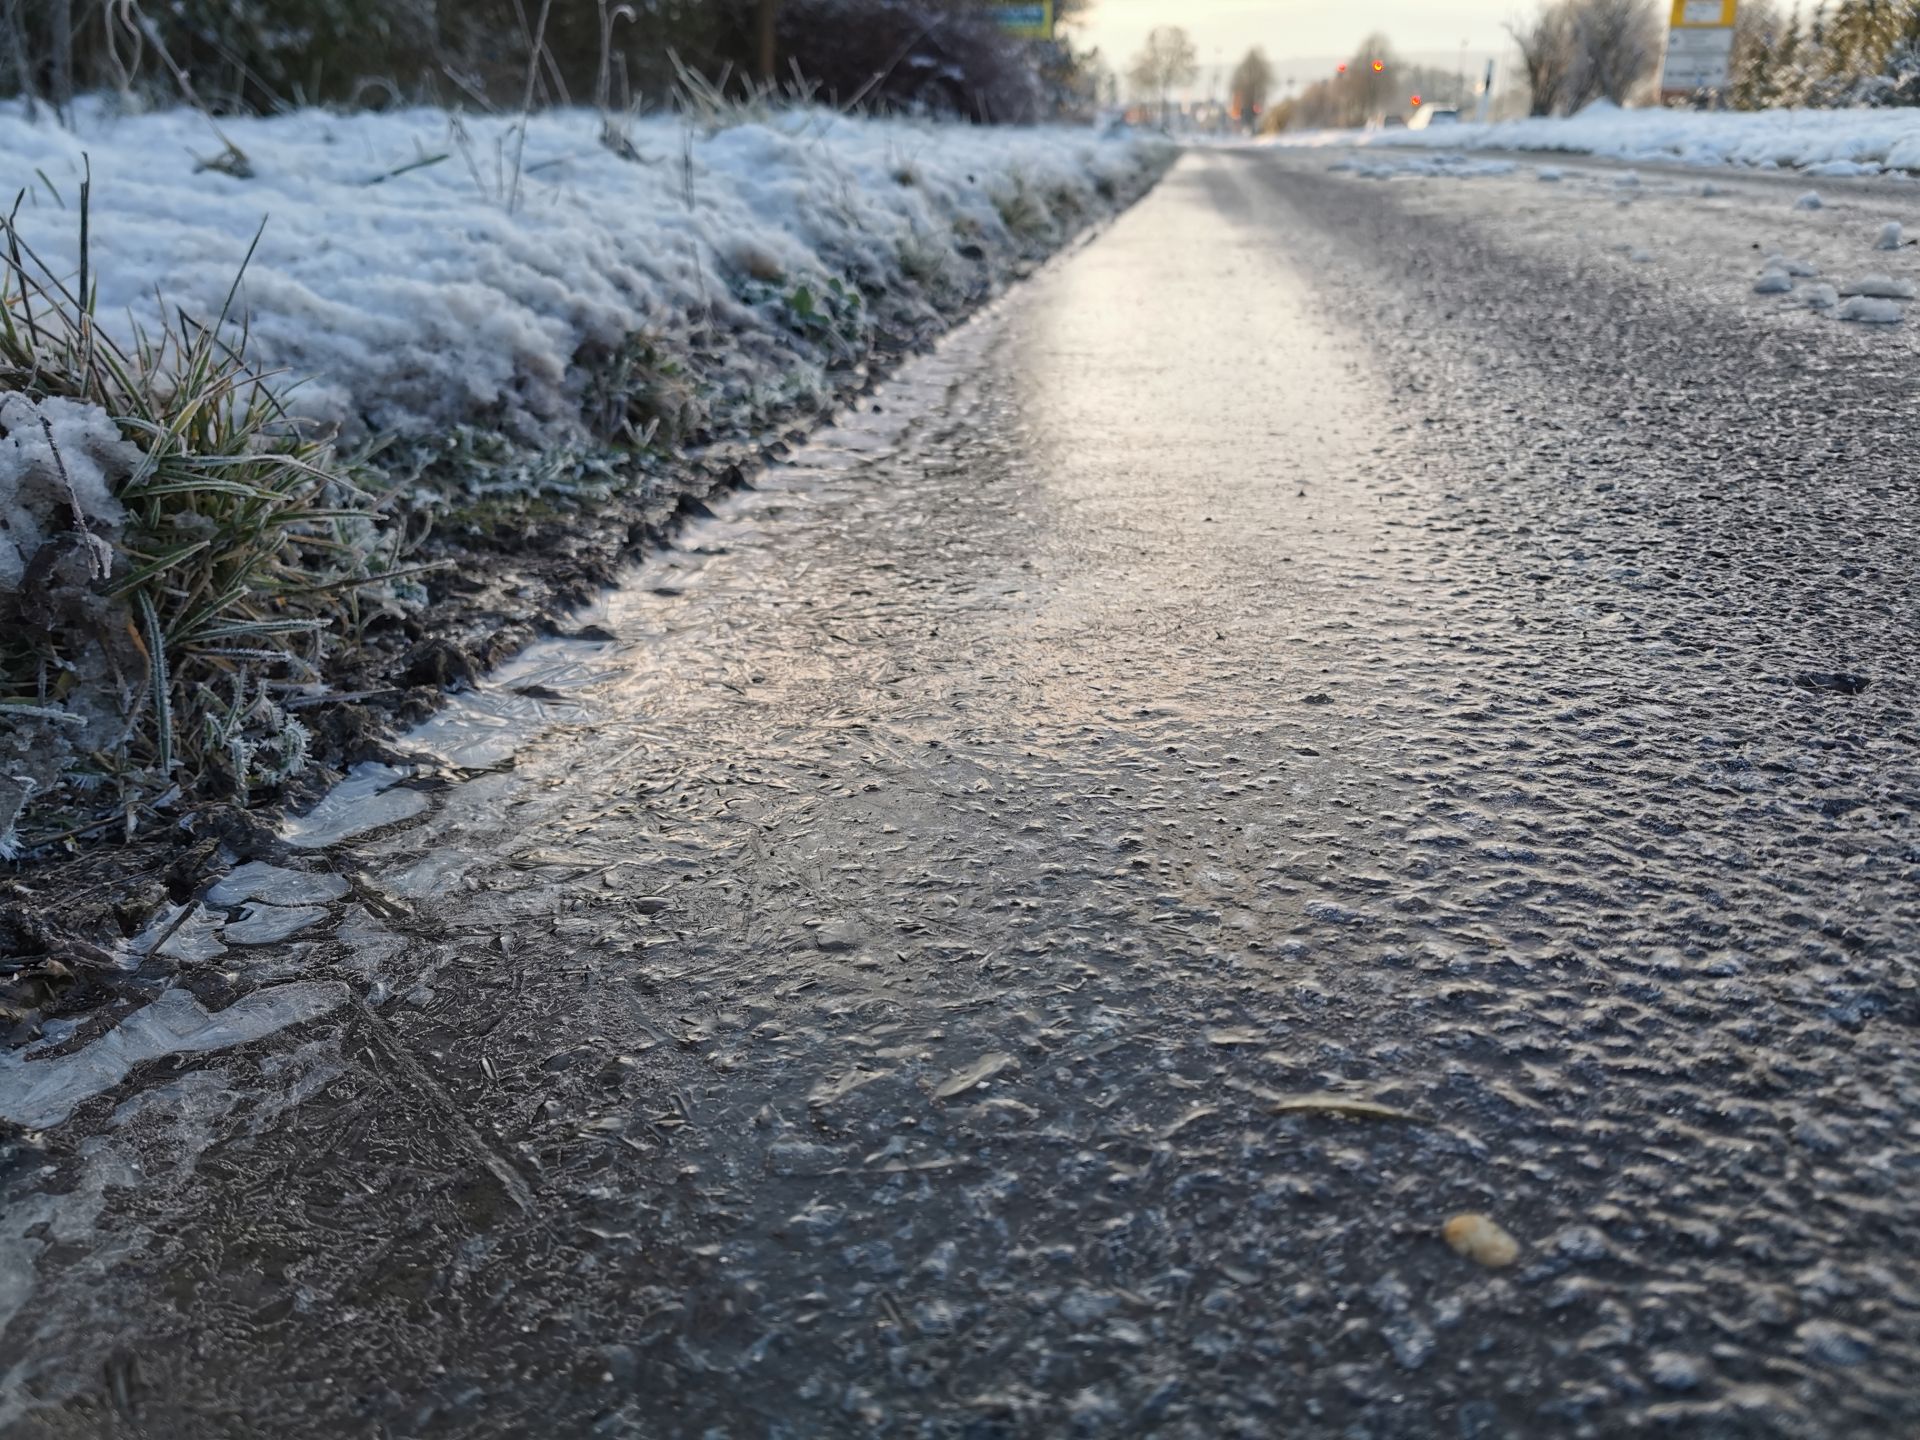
[177, 558]
[241, 509]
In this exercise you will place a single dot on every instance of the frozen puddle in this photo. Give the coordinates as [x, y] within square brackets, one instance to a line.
[365, 800]
[190, 940]
[553, 681]
[480, 729]
[269, 924]
[549, 683]
[257, 880]
[37, 1094]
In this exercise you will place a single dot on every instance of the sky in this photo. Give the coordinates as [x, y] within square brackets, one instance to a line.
[1303, 37]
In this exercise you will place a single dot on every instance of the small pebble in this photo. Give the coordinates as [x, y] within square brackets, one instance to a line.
[1478, 1238]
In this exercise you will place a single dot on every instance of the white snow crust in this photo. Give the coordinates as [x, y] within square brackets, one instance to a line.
[412, 299]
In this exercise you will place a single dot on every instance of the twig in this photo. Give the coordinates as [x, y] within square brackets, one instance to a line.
[526, 102]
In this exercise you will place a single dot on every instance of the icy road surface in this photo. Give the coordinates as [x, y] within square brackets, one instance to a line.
[1345, 702]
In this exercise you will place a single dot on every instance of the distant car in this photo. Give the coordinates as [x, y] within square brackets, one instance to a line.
[1394, 122]
[1434, 115]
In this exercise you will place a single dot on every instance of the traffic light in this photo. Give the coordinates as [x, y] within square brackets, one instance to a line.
[1416, 102]
[1341, 68]
[1378, 66]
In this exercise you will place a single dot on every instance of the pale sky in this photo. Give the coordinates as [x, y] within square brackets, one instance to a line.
[1308, 33]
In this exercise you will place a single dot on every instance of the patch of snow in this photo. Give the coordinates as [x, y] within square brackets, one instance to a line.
[1867, 140]
[413, 299]
[1868, 310]
[1883, 287]
[1820, 297]
[57, 457]
[1547, 174]
[1773, 282]
[1845, 167]
[1810, 200]
[1889, 236]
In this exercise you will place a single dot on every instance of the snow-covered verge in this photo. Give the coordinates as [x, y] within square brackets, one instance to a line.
[419, 270]
[475, 310]
[1821, 142]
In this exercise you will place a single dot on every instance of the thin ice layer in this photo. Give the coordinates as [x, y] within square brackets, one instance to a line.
[38, 1094]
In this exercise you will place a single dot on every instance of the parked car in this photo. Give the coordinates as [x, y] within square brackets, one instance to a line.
[1434, 115]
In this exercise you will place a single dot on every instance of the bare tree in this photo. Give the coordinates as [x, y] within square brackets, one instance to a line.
[1759, 36]
[1616, 45]
[1576, 51]
[1546, 53]
[1252, 79]
[1169, 59]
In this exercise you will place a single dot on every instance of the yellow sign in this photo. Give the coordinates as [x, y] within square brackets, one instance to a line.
[1029, 19]
[1690, 13]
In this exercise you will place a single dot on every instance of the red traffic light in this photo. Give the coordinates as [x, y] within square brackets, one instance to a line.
[1341, 67]
[1416, 102]
[1378, 66]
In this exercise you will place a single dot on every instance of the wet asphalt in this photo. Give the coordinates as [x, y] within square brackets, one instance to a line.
[1326, 637]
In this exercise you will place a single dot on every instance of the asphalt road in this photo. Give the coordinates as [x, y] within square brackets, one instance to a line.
[1442, 644]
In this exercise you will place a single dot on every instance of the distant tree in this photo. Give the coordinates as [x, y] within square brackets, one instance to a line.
[1617, 47]
[1755, 72]
[1168, 60]
[1577, 51]
[1857, 44]
[1252, 79]
[1789, 65]
[1546, 54]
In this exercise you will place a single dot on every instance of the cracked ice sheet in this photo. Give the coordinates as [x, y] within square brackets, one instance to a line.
[263, 924]
[257, 880]
[481, 728]
[365, 800]
[39, 1094]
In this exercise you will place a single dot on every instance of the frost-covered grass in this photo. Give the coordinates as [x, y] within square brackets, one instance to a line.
[479, 310]
[1827, 142]
[170, 549]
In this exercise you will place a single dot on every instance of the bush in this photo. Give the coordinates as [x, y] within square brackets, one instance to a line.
[943, 57]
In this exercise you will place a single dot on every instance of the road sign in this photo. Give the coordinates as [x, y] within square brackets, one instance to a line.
[1029, 19]
[1703, 12]
[1699, 47]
